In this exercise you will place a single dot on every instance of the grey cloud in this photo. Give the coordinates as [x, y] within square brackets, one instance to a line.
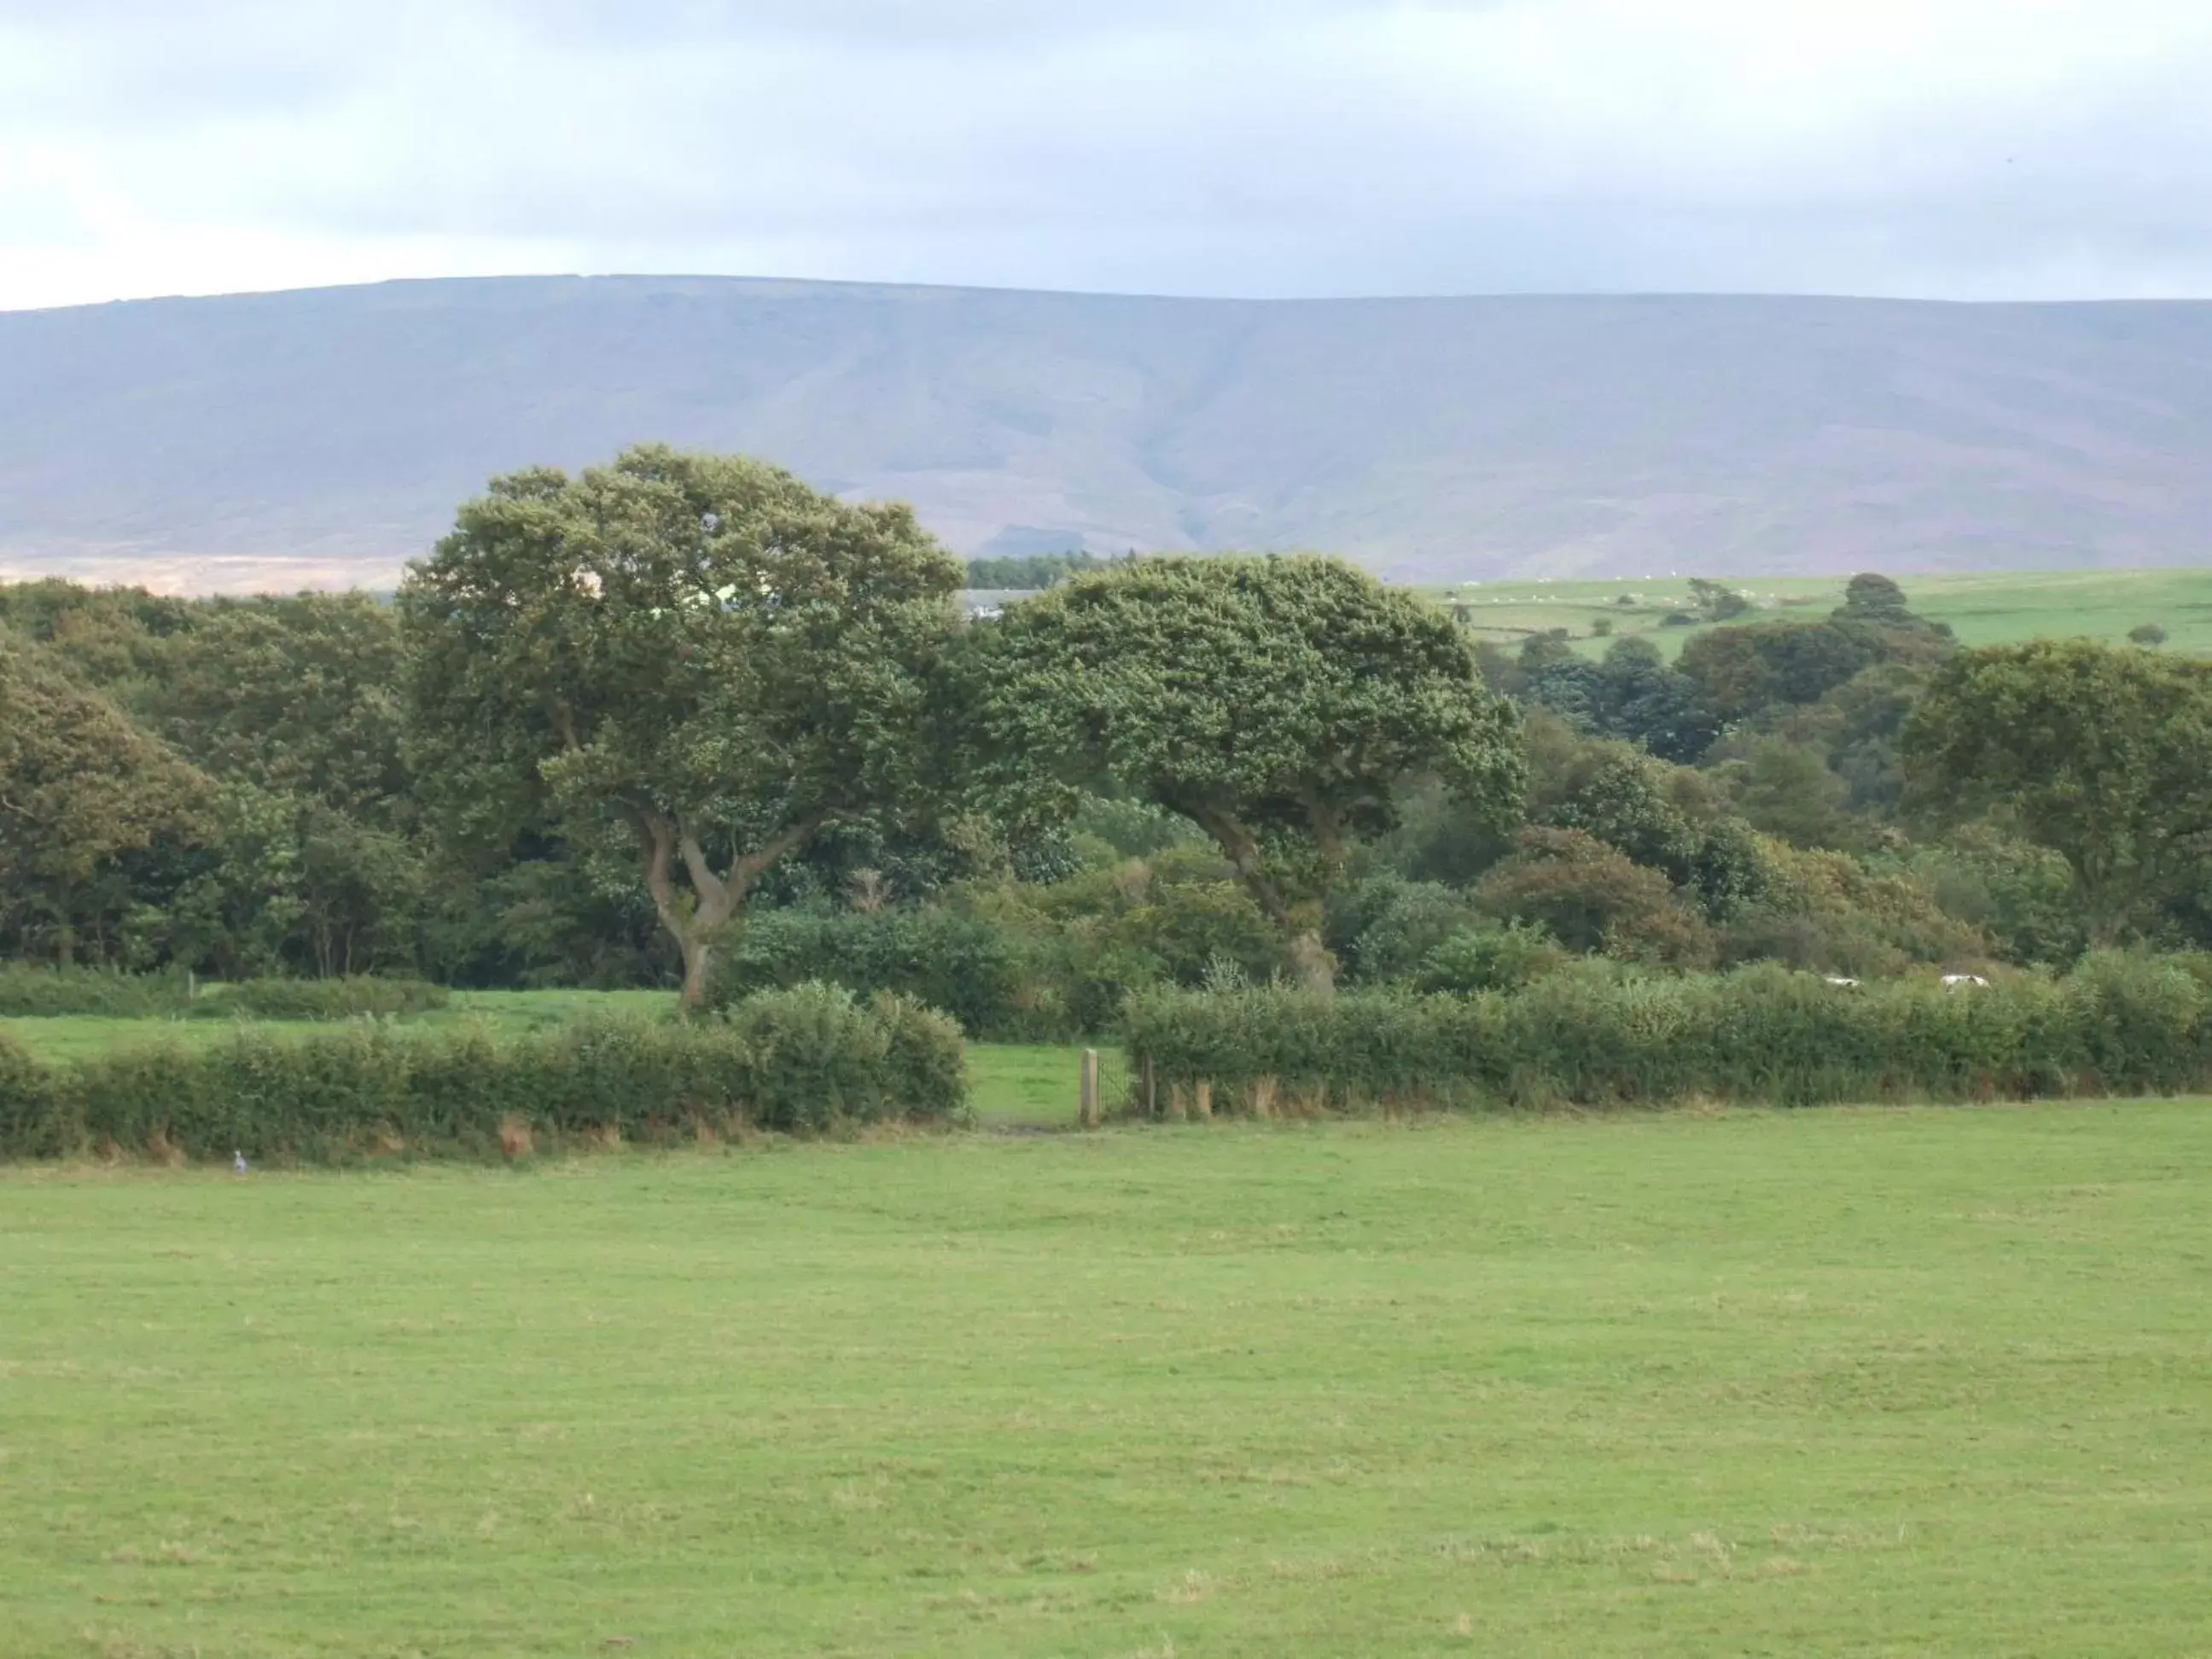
[1206, 146]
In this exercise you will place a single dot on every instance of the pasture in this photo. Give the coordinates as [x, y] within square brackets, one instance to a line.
[1984, 608]
[1835, 1382]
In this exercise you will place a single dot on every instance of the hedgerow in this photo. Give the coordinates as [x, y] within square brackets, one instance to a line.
[28, 990]
[804, 1060]
[30, 1124]
[1593, 1034]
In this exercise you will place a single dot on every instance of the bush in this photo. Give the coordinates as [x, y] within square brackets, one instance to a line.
[28, 990]
[31, 991]
[1385, 928]
[1594, 1034]
[1490, 959]
[1592, 896]
[808, 1059]
[1014, 973]
[31, 1126]
[816, 1055]
[959, 964]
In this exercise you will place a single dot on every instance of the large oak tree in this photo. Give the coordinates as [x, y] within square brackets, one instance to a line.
[1278, 703]
[697, 652]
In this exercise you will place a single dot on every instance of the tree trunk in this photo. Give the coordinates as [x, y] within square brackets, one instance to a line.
[698, 956]
[1315, 962]
[701, 924]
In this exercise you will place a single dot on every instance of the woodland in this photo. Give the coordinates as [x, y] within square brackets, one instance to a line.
[682, 720]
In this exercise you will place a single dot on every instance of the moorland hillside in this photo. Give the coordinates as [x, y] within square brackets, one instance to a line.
[323, 436]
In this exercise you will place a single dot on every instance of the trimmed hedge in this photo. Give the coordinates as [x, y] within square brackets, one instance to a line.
[2118, 1025]
[30, 991]
[32, 1123]
[801, 1061]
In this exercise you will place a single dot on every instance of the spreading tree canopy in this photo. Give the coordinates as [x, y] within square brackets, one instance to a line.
[81, 785]
[698, 653]
[1278, 703]
[2102, 755]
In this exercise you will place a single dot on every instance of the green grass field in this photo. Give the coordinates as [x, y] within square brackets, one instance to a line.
[1834, 1382]
[1985, 608]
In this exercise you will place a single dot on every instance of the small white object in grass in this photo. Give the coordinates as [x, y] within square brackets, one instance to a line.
[238, 1162]
[1839, 980]
[1958, 981]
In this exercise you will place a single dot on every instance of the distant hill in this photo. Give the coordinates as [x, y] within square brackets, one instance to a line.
[327, 434]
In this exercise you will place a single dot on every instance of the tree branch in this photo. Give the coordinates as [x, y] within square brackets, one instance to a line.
[661, 850]
[754, 865]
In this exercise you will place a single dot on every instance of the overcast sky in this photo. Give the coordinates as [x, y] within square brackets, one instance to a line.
[1964, 149]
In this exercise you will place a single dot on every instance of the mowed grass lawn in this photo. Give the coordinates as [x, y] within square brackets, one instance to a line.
[1845, 1381]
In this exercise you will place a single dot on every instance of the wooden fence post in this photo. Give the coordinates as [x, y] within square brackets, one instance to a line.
[1087, 1112]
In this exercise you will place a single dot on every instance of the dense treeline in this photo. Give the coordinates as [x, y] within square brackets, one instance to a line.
[1017, 572]
[681, 720]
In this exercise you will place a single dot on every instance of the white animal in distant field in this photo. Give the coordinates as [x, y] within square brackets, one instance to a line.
[238, 1162]
[1840, 983]
[1959, 982]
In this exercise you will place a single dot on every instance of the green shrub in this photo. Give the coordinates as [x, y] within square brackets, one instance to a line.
[1385, 929]
[806, 1060]
[926, 1057]
[28, 990]
[1594, 1034]
[817, 1055]
[1009, 978]
[2139, 1018]
[31, 1124]
[1490, 959]
[959, 964]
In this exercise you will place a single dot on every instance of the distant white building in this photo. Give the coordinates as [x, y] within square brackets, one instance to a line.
[981, 603]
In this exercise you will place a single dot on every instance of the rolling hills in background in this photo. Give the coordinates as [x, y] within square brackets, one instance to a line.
[324, 436]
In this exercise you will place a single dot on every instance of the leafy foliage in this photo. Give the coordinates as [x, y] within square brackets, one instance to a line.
[82, 788]
[698, 655]
[2102, 755]
[1277, 703]
[248, 788]
[1030, 570]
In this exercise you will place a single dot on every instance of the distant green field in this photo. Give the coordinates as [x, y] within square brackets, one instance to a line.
[1984, 609]
[1025, 1086]
[1833, 1382]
